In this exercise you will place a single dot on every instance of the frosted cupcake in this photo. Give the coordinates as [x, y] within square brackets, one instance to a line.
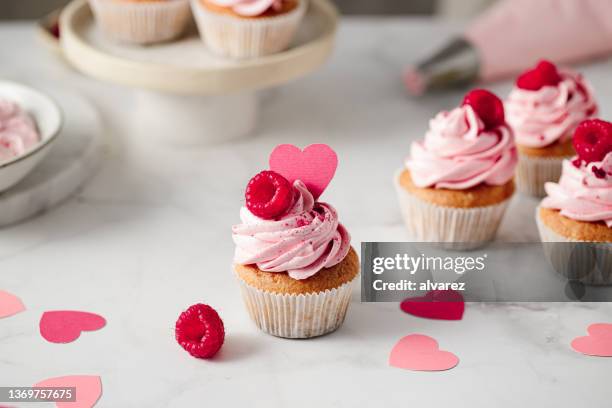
[248, 28]
[293, 258]
[544, 109]
[458, 181]
[578, 209]
[142, 21]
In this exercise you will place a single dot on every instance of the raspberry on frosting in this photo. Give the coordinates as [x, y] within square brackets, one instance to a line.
[544, 74]
[487, 106]
[593, 140]
[268, 195]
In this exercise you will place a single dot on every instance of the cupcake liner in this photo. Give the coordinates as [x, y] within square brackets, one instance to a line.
[239, 38]
[533, 172]
[141, 22]
[297, 316]
[454, 228]
[584, 261]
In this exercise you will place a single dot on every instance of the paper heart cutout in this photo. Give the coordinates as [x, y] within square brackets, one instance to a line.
[436, 304]
[10, 304]
[315, 166]
[88, 389]
[597, 343]
[418, 352]
[65, 326]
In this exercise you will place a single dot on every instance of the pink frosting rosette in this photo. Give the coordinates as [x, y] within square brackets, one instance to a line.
[18, 132]
[306, 239]
[250, 8]
[584, 192]
[542, 117]
[458, 153]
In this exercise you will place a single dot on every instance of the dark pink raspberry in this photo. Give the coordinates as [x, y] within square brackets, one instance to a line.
[593, 140]
[487, 106]
[268, 195]
[199, 330]
[544, 74]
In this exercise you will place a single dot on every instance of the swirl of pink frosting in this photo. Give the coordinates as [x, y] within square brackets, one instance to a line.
[458, 153]
[18, 132]
[552, 113]
[583, 193]
[249, 8]
[305, 240]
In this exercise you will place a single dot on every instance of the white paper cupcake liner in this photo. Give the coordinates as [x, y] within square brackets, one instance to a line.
[533, 172]
[297, 316]
[239, 38]
[455, 228]
[589, 264]
[141, 22]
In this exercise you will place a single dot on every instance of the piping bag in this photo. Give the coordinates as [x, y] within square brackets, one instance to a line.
[511, 36]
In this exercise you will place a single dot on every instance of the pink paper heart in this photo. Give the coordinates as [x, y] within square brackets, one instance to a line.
[10, 304]
[421, 353]
[88, 389]
[65, 326]
[597, 343]
[437, 304]
[315, 166]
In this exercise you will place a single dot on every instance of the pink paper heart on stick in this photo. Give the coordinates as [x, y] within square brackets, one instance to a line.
[436, 304]
[597, 343]
[10, 304]
[315, 166]
[65, 326]
[418, 352]
[88, 389]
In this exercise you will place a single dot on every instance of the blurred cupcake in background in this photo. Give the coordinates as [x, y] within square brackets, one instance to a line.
[248, 28]
[142, 21]
[544, 109]
[458, 181]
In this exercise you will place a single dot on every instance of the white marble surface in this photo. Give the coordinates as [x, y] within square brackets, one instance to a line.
[150, 235]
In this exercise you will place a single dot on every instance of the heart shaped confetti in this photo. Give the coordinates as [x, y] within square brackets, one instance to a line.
[436, 304]
[315, 166]
[10, 304]
[418, 352]
[597, 343]
[65, 326]
[88, 389]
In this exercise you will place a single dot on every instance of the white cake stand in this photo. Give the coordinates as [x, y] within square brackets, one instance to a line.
[186, 95]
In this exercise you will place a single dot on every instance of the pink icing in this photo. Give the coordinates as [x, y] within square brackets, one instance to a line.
[305, 240]
[250, 8]
[458, 153]
[540, 118]
[18, 132]
[583, 193]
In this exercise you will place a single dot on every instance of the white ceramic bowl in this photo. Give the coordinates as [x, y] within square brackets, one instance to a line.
[48, 118]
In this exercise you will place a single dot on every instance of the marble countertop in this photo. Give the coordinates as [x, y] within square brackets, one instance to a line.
[150, 235]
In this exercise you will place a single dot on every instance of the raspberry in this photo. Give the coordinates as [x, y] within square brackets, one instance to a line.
[593, 140]
[199, 330]
[487, 106]
[544, 74]
[268, 195]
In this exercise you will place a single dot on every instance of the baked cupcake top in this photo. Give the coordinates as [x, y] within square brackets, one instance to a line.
[252, 8]
[584, 191]
[465, 147]
[18, 132]
[546, 105]
[284, 227]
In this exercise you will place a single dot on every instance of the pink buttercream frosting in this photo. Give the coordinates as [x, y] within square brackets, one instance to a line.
[583, 193]
[552, 113]
[305, 240]
[459, 154]
[18, 132]
[250, 8]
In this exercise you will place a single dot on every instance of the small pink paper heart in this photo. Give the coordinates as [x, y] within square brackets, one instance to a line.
[88, 389]
[597, 343]
[315, 166]
[421, 353]
[437, 304]
[65, 326]
[10, 304]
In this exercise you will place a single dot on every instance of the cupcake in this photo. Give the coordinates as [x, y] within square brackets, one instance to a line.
[458, 181]
[293, 258]
[544, 109]
[575, 219]
[142, 21]
[248, 28]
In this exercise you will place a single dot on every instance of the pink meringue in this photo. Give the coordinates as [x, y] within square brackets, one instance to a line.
[18, 132]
